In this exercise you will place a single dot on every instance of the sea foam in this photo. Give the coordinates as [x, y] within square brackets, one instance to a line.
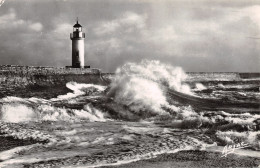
[140, 85]
[15, 109]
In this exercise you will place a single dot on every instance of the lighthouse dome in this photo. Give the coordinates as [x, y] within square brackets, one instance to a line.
[77, 25]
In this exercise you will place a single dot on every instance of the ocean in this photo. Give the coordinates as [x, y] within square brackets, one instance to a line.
[146, 109]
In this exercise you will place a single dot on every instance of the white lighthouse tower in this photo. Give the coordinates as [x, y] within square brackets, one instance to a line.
[77, 38]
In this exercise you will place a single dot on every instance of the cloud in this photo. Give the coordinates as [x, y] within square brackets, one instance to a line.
[10, 21]
[128, 22]
[61, 30]
[7, 17]
[36, 26]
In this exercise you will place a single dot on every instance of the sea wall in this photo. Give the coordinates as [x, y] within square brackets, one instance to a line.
[24, 76]
[249, 75]
[212, 76]
[13, 76]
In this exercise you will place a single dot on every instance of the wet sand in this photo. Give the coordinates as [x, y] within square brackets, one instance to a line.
[200, 159]
[190, 158]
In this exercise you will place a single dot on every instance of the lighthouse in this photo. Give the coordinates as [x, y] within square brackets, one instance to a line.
[77, 38]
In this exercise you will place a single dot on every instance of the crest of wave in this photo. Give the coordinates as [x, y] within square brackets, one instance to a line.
[139, 85]
[250, 137]
[15, 110]
[79, 89]
[158, 72]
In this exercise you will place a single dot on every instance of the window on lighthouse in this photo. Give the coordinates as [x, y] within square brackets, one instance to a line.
[77, 29]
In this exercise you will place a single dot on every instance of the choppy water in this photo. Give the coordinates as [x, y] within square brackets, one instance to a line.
[149, 108]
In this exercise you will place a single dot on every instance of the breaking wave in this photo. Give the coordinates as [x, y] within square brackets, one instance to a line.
[140, 86]
[249, 137]
[15, 109]
[79, 89]
[200, 86]
[24, 111]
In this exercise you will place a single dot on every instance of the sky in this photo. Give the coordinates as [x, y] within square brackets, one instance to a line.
[197, 35]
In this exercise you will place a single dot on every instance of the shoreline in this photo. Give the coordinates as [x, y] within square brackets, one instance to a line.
[194, 159]
[210, 157]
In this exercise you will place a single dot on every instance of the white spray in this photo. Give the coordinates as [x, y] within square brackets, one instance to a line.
[139, 85]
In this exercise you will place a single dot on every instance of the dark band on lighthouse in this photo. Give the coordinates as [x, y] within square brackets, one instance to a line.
[77, 38]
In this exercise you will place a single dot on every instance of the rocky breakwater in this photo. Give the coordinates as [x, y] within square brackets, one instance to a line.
[26, 81]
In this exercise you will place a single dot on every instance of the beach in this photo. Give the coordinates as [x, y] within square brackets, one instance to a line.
[193, 159]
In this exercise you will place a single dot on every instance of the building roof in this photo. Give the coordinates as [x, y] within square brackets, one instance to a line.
[77, 24]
